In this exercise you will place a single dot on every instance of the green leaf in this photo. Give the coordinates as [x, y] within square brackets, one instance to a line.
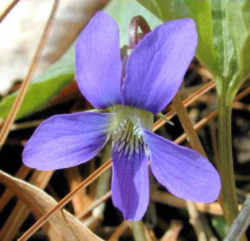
[123, 11]
[238, 20]
[202, 14]
[245, 42]
[224, 40]
[43, 88]
[219, 225]
[226, 59]
[166, 9]
[224, 35]
[200, 11]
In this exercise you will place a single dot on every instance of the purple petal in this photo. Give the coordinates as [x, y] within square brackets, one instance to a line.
[184, 172]
[130, 184]
[66, 140]
[98, 62]
[158, 64]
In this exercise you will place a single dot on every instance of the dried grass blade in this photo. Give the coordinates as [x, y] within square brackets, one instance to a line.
[81, 200]
[21, 211]
[63, 225]
[187, 102]
[23, 89]
[65, 200]
[173, 232]
[168, 199]
[7, 194]
[95, 204]
[8, 9]
[196, 220]
[119, 231]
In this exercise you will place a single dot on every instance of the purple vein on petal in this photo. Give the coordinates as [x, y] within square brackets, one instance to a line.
[130, 183]
[98, 62]
[184, 172]
[156, 67]
[66, 140]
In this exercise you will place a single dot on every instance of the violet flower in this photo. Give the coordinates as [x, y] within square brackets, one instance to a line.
[154, 72]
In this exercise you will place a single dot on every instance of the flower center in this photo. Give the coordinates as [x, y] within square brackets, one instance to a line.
[127, 138]
[126, 129]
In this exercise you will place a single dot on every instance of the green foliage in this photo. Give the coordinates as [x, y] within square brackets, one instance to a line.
[43, 88]
[201, 13]
[220, 226]
[166, 9]
[238, 20]
[224, 35]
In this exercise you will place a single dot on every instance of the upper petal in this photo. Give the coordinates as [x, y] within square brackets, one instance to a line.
[184, 172]
[97, 61]
[66, 140]
[157, 65]
[130, 183]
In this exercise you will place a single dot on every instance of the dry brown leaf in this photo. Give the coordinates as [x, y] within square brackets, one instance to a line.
[62, 224]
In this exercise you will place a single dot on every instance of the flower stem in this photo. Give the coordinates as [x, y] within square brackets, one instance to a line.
[228, 198]
[225, 163]
[138, 231]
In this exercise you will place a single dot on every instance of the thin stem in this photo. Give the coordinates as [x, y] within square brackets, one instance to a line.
[8, 9]
[103, 183]
[133, 34]
[95, 204]
[225, 163]
[138, 231]
[119, 231]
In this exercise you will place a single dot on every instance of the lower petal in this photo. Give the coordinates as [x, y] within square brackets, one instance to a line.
[130, 183]
[66, 140]
[184, 172]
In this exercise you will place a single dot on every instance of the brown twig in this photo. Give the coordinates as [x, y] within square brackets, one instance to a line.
[211, 116]
[95, 204]
[168, 199]
[119, 231]
[187, 124]
[8, 9]
[81, 200]
[23, 89]
[173, 232]
[188, 101]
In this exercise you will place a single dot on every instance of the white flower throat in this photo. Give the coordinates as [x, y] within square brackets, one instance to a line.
[126, 129]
